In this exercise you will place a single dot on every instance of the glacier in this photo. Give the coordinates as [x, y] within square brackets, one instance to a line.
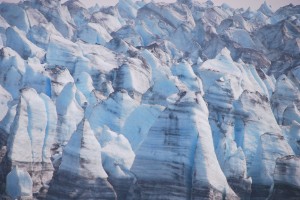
[138, 101]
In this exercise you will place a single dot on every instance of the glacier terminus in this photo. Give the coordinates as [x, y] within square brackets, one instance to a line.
[149, 101]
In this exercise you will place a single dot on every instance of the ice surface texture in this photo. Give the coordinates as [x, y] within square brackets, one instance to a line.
[140, 100]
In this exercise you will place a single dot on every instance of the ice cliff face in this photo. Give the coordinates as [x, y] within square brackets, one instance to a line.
[143, 100]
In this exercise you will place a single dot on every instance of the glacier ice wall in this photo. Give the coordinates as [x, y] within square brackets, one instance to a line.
[184, 100]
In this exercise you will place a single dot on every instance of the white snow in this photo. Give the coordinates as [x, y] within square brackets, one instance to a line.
[19, 145]
[139, 122]
[101, 59]
[241, 37]
[32, 131]
[150, 92]
[59, 79]
[117, 154]
[82, 154]
[186, 74]
[111, 112]
[62, 52]
[273, 147]
[207, 169]
[135, 76]
[95, 34]
[69, 113]
[84, 84]
[110, 21]
[37, 122]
